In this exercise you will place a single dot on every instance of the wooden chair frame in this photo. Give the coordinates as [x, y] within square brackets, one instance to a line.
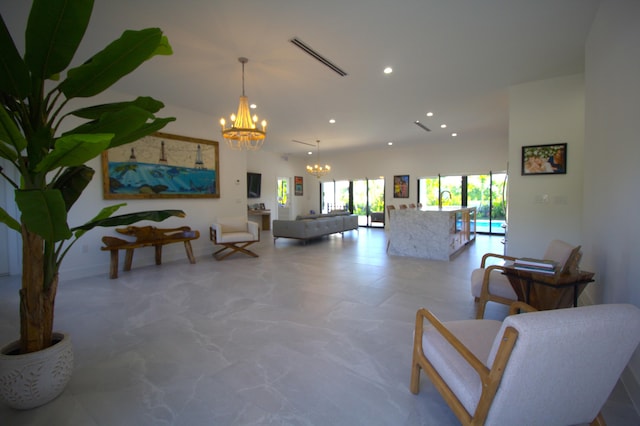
[240, 247]
[490, 377]
[485, 294]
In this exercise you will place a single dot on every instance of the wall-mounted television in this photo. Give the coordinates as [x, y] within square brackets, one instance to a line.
[254, 182]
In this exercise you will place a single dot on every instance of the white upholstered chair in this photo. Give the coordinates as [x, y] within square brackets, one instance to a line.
[489, 284]
[553, 367]
[235, 235]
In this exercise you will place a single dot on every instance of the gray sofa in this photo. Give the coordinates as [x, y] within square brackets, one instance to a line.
[314, 226]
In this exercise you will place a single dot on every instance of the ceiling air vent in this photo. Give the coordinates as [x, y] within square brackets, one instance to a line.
[422, 126]
[296, 41]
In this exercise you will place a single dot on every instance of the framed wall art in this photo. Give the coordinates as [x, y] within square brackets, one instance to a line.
[162, 165]
[297, 185]
[548, 159]
[401, 186]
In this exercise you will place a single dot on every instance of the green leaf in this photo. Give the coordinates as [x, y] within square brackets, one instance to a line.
[128, 125]
[72, 182]
[111, 64]
[103, 214]
[164, 48]
[95, 112]
[9, 221]
[118, 123]
[12, 142]
[44, 213]
[14, 74]
[128, 219]
[141, 132]
[74, 150]
[54, 31]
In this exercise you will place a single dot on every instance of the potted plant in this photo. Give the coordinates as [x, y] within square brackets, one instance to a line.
[51, 162]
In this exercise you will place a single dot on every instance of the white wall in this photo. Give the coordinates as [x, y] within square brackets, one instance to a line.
[545, 112]
[611, 229]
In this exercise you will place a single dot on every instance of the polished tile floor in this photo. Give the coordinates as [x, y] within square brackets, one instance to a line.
[315, 334]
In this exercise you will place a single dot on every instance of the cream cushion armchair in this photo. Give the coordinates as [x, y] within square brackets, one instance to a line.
[235, 235]
[541, 368]
[488, 283]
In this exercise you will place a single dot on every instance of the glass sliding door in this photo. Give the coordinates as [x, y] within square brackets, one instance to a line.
[361, 202]
[498, 203]
[487, 193]
[451, 190]
[428, 190]
[335, 195]
[479, 196]
[364, 198]
[376, 202]
[368, 202]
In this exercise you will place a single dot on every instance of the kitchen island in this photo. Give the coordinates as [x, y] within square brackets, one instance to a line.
[437, 233]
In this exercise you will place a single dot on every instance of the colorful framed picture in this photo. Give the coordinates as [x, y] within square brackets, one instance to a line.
[298, 187]
[548, 159]
[401, 186]
[162, 165]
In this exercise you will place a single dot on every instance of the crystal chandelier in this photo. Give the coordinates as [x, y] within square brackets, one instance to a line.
[317, 170]
[242, 132]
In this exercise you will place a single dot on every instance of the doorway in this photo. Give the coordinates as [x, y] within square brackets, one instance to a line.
[368, 202]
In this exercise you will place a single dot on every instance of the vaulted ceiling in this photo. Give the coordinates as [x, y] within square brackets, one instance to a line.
[455, 58]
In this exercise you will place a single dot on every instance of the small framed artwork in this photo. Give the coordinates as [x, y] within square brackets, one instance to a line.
[162, 165]
[401, 186]
[298, 185]
[548, 159]
[262, 206]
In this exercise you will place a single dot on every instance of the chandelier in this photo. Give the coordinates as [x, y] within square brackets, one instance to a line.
[317, 170]
[242, 132]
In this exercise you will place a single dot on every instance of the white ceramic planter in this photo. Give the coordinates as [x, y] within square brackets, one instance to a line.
[30, 380]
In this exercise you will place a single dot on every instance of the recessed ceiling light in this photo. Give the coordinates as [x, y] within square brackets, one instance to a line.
[332, 121]
[389, 143]
[443, 126]
[388, 70]
[429, 114]
[310, 152]
[253, 106]
[454, 134]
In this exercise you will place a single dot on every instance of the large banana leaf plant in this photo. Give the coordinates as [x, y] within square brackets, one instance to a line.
[51, 162]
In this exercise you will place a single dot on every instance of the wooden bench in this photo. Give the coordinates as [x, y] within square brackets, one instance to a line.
[147, 236]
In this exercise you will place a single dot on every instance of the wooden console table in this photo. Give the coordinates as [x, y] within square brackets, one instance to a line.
[546, 291]
[147, 236]
[265, 220]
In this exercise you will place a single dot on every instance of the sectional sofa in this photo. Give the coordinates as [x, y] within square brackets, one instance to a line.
[314, 226]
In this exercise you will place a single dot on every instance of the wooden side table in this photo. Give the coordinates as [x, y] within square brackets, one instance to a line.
[545, 291]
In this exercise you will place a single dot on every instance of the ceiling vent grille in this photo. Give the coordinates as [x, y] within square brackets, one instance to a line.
[296, 41]
[422, 126]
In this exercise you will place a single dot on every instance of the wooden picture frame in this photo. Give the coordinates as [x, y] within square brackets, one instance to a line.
[550, 159]
[401, 186]
[162, 165]
[298, 187]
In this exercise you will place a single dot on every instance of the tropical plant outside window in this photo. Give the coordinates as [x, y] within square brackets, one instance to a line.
[283, 192]
[484, 192]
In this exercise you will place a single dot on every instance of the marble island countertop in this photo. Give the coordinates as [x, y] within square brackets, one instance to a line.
[432, 232]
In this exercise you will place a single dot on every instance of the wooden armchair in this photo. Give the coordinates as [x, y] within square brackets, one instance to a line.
[540, 368]
[235, 235]
[489, 284]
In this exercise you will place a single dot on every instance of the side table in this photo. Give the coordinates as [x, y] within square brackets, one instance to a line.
[547, 291]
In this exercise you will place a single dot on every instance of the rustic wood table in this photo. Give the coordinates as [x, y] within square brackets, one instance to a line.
[548, 291]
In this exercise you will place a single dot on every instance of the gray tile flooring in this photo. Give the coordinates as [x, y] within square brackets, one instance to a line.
[315, 334]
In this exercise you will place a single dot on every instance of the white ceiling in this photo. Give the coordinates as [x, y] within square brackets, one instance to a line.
[455, 58]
